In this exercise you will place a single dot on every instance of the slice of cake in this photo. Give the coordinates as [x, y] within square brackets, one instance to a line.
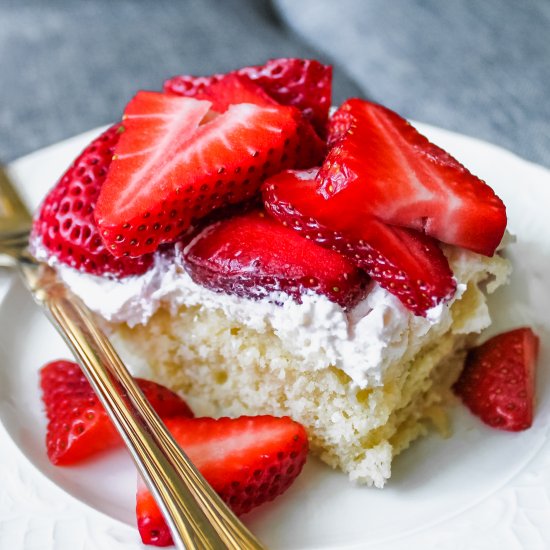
[346, 298]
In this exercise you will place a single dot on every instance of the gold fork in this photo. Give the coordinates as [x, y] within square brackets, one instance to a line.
[196, 515]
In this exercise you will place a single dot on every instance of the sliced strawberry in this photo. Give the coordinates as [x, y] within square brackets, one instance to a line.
[65, 225]
[408, 264]
[190, 86]
[383, 168]
[338, 126]
[498, 380]
[78, 425]
[302, 83]
[252, 255]
[247, 461]
[177, 161]
[232, 90]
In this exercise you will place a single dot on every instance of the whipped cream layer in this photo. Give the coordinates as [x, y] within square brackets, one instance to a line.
[364, 342]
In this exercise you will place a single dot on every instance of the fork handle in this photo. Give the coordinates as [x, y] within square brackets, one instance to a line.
[196, 515]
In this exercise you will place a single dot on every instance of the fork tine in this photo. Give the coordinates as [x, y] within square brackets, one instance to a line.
[19, 240]
[15, 219]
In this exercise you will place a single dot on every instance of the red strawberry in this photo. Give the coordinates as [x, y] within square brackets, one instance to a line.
[404, 262]
[302, 83]
[383, 168]
[247, 461]
[338, 126]
[65, 225]
[233, 89]
[178, 160]
[498, 380]
[78, 425]
[252, 255]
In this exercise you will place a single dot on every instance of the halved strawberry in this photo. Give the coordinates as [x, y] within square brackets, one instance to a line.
[338, 126]
[383, 168]
[404, 262]
[233, 89]
[177, 161]
[252, 255]
[302, 83]
[65, 225]
[78, 426]
[498, 380]
[247, 461]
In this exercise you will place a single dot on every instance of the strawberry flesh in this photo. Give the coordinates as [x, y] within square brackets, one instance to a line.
[252, 255]
[78, 426]
[338, 126]
[65, 225]
[246, 460]
[498, 380]
[408, 264]
[302, 83]
[177, 161]
[383, 168]
[233, 89]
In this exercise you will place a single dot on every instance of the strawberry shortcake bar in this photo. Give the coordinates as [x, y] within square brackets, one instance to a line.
[259, 256]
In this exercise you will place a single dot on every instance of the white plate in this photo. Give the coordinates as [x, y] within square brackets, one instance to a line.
[479, 489]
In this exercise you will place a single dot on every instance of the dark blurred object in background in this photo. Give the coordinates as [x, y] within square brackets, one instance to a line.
[480, 68]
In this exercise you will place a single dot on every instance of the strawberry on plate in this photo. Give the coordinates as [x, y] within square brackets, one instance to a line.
[78, 426]
[178, 160]
[383, 168]
[302, 83]
[252, 255]
[65, 225]
[246, 460]
[498, 380]
[407, 263]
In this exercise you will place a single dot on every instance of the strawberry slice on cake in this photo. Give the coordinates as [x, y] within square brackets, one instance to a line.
[382, 167]
[252, 255]
[302, 83]
[65, 228]
[408, 264]
[383, 197]
[178, 160]
[246, 460]
[231, 89]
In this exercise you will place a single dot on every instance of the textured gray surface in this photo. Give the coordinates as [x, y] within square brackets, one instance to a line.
[71, 65]
[481, 68]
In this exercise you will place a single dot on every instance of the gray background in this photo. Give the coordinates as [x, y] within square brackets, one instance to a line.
[478, 67]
